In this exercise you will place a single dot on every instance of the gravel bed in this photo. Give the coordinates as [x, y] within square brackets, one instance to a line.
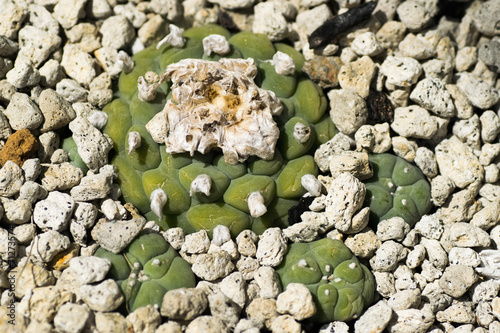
[437, 61]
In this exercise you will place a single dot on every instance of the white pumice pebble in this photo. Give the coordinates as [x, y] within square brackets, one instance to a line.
[311, 184]
[196, 243]
[297, 301]
[201, 184]
[256, 204]
[283, 63]
[54, 212]
[98, 119]
[271, 247]
[174, 38]
[158, 200]
[301, 132]
[414, 122]
[366, 44]
[468, 131]
[271, 21]
[401, 71]
[220, 235]
[216, 44]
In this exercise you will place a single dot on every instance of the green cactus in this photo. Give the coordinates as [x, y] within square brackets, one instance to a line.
[150, 167]
[147, 269]
[397, 188]
[341, 286]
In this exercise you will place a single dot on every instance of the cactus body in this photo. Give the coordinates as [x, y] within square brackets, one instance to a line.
[397, 188]
[147, 269]
[150, 167]
[341, 286]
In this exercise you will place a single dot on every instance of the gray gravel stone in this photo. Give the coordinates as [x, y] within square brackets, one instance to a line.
[7, 47]
[486, 18]
[457, 163]
[93, 146]
[114, 236]
[184, 303]
[89, 269]
[47, 245]
[457, 279]
[348, 110]
[56, 110]
[71, 317]
[414, 122]
[11, 179]
[466, 235]
[480, 93]
[78, 65]
[22, 112]
[144, 319]
[387, 256]
[411, 321]
[271, 248]
[375, 318]
[71, 91]
[54, 212]
[105, 296]
[489, 53]
[37, 44]
[401, 71]
[117, 32]
[213, 266]
[414, 15]
[68, 12]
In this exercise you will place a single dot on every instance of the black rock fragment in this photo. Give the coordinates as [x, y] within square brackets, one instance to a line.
[295, 212]
[340, 23]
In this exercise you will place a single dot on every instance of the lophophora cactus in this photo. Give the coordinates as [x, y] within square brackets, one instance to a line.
[397, 188]
[147, 269]
[203, 178]
[341, 286]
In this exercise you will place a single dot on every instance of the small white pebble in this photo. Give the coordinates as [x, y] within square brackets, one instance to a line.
[352, 265]
[302, 263]
[327, 268]
[404, 202]
[202, 184]
[301, 132]
[283, 63]
[337, 280]
[311, 184]
[134, 141]
[131, 283]
[98, 119]
[174, 38]
[216, 43]
[327, 292]
[256, 204]
[156, 262]
[158, 199]
[137, 265]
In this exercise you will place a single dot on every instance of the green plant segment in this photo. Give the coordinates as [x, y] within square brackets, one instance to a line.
[147, 269]
[341, 286]
[150, 167]
[397, 188]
